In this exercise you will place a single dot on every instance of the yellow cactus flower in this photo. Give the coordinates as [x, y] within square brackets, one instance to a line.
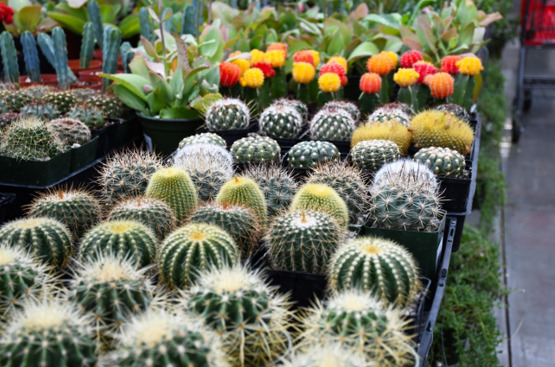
[393, 56]
[406, 77]
[252, 78]
[340, 60]
[257, 56]
[470, 65]
[243, 64]
[303, 72]
[316, 56]
[275, 57]
[329, 82]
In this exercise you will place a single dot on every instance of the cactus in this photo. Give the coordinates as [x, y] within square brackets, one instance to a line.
[227, 114]
[78, 209]
[189, 21]
[38, 91]
[391, 130]
[255, 149]
[296, 104]
[239, 222]
[30, 55]
[303, 241]
[7, 118]
[82, 95]
[47, 48]
[203, 151]
[60, 57]
[307, 154]
[407, 173]
[42, 111]
[348, 182]
[444, 162]
[90, 116]
[175, 188]
[123, 238]
[108, 104]
[321, 198]
[277, 185]
[63, 100]
[127, 55]
[15, 100]
[48, 333]
[151, 212]
[371, 155]
[203, 138]
[332, 123]
[87, 46]
[94, 14]
[126, 174]
[281, 121]
[192, 249]
[244, 192]
[110, 53]
[250, 316]
[9, 58]
[360, 323]
[459, 111]
[70, 131]
[441, 129]
[328, 354]
[398, 111]
[47, 239]
[161, 338]
[346, 106]
[144, 21]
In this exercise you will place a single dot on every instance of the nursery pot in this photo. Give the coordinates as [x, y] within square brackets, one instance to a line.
[75, 66]
[164, 135]
[46, 79]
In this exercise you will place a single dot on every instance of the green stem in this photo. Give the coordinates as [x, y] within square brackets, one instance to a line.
[303, 93]
[368, 103]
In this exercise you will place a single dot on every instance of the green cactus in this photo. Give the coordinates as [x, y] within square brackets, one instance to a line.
[46, 45]
[63, 100]
[243, 191]
[281, 121]
[30, 55]
[252, 319]
[332, 123]
[144, 21]
[192, 249]
[392, 111]
[407, 173]
[457, 110]
[391, 130]
[151, 212]
[239, 222]
[47, 239]
[78, 209]
[307, 154]
[375, 265]
[175, 188]
[94, 14]
[255, 149]
[110, 53]
[444, 162]
[15, 100]
[127, 55]
[321, 198]
[328, 354]
[227, 114]
[70, 131]
[346, 106]
[189, 22]
[9, 58]
[43, 111]
[360, 323]
[60, 57]
[89, 115]
[123, 238]
[296, 104]
[371, 155]
[203, 138]
[203, 152]
[87, 46]
[303, 241]
[108, 104]
[82, 95]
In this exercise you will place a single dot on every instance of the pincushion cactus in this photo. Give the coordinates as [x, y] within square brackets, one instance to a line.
[296, 104]
[459, 111]
[281, 121]
[109, 105]
[346, 106]
[321, 198]
[307, 154]
[203, 151]
[89, 115]
[43, 111]
[255, 149]
[62, 100]
[444, 162]
[70, 131]
[227, 114]
[398, 111]
[371, 155]
[206, 138]
[328, 354]
[332, 123]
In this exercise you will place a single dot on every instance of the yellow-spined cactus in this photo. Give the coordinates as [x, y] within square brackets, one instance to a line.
[275, 57]
[393, 56]
[390, 129]
[406, 77]
[243, 64]
[316, 56]
[257, 56]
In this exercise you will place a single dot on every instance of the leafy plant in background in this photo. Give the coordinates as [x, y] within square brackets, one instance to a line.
[27, 16]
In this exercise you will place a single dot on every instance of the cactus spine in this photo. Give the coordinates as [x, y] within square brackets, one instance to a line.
[110, 53]
[321, 198]
[371, 155]
[307, 154]
[30, 139]
[255, 149]
[87, 46]
[444, 162]
[31, 56]
[60, 54]
[245, 192]
[94, 14]
[9, 58]
[328, 354]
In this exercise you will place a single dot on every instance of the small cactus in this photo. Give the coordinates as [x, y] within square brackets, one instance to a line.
[15, 99]
[328, 354]
[62, 100]
[321, 198]
[296, 104]
[255, 149]
[444, 162]
[204, 138]
[108, 104]
[9, 58]
[87, 46]
[281, 121]
[332, 123]
[391, 130]
[227, 114]
[89, 115]
[43, 111]
[398, 111]
[371, 155]
[307, 154]
[459, 111]
[70, 131]
[243, 191]
[346, 106]
[406, 173]
[203, 151]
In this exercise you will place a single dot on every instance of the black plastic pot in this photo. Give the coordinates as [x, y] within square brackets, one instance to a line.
[304, 288]
[83, 155]
[34, 173]
[164, 135]
[6, 198]
[416, 315]
[231, 136]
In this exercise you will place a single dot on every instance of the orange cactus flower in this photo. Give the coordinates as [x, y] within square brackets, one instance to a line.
[380, 64]
[304, 56]
[229, 74]
[449, 64]
[278, 46]
[441, 84]
[370, 83]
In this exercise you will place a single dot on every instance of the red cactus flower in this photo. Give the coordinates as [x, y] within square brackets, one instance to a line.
[266, 68]
[333, 67]
[229, 74]
[304, 56]
[424, 69]
[449, 64]
[344, 81]
[6, 13]
[409, 58]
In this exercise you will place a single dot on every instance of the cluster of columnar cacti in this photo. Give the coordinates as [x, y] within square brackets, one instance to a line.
[255, 149]
[332, 123]
[371, 155]
[227, 114]
[444, 162]
[307, 154]
[281, 121]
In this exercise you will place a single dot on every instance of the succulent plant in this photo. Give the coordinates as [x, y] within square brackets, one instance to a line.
[391, 130]
[70, 131]
[43, 111]
[38, 91]
[444, 162]
[90, 116]
[243, 191]
[346, 106]
[149, 211]
[192, 249]
[108, 104]
[375, 265]
[255, 149]
[321, 198]
[62, 100]
[307, 154]
[203, 151]
[175, 188]
[281, 121]
[82, 95]
[123, 238]
[459, 111]
[392, 111]
[48, 333]
[7, 118]
[332, 123]
[371, 155]
[227, 114]
[203, 138]
[296, 104]
[46, 239]
[78, 209]
[328, 354]
[15, 99]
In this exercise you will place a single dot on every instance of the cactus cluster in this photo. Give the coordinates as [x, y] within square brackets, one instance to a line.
[346, 106]
[332, 123]
[203, 138]
[70, 131]
[371, 155]
[321, 198]
[40, 110]
[391, 130]
[15, 99]
[243, 191]
[109, 105]
[62, 100]
[307, 154]
[89, 115]
[227, 114]
[255, 149]
[281, 121]
[444, 162]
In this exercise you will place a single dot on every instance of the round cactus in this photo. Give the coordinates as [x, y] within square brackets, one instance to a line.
[203, 138]
[407, 173]
[43, 111]
[62, 100]
[375, 265]
[47, 239]
[281, 121]
[391, 130]
[89, 115]
[371, 155]
[255, 149]
[303, 241]
[328, 354]
[359, 322]
[459, 111]
[160, 338]
[227, 114]
[108, 104]
[37, 91]
[348, 182]
[296, 104]
[307, 154]
[441, 129]
[77, 209]
[192, 249]
[71, 131]
[126, 174]
[82, 95]
[203, 151]
[149, 211]
[251, 317]
[332, 123]
[175, 188]
[48, 333]
[15, 99]
[444, 162]
[243, 191]
[321, 198]
[398, 111]
[122, 238]
[239, 222]
[7, 118]
[346, 106]
[277, 185]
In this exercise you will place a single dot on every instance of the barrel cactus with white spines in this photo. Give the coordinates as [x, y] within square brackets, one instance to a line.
[89, 115]
[46, 239]
[123, 238]
[332, 123]
[398, 111]
[192, 249]
[407, 173]
[307, 154]
[245, 192]
[303, 240]
[200, 150]
[321, 198]
[296, 104]
[281, 121]
[227, 114]
[63, 100]
[346, 106]
[151, 212]
[255, 149]
[328, 354]
[375, 265]
[206, 138]
[444, 162]
[371, 155]
[70, 131]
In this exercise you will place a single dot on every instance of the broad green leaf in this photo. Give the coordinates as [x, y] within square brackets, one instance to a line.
[68, 21]
[130, 99]
[201, 104]
[109, 13]
[133, 83]
[129, 26]
[224, 12]
[365, 49]
[212, 45]
[17, 5]
[138, 67]
[149, 48]
[28, 17]
[389, 20]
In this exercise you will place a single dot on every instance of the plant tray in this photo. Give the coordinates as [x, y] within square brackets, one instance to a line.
[34, 173]
[231, 136]
[304, 288]
[416, 314]
[84, 155]
[6, 198]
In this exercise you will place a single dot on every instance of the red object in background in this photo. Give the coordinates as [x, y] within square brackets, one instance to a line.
[409, 58]
[424, 69]
[304, 56]
[333, 67]
[6, 13]
[538, 22]
[266, 68]
[229, 74]
[449, 64]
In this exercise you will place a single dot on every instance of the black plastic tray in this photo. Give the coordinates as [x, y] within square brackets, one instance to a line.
[6, 198]
[230, 136]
